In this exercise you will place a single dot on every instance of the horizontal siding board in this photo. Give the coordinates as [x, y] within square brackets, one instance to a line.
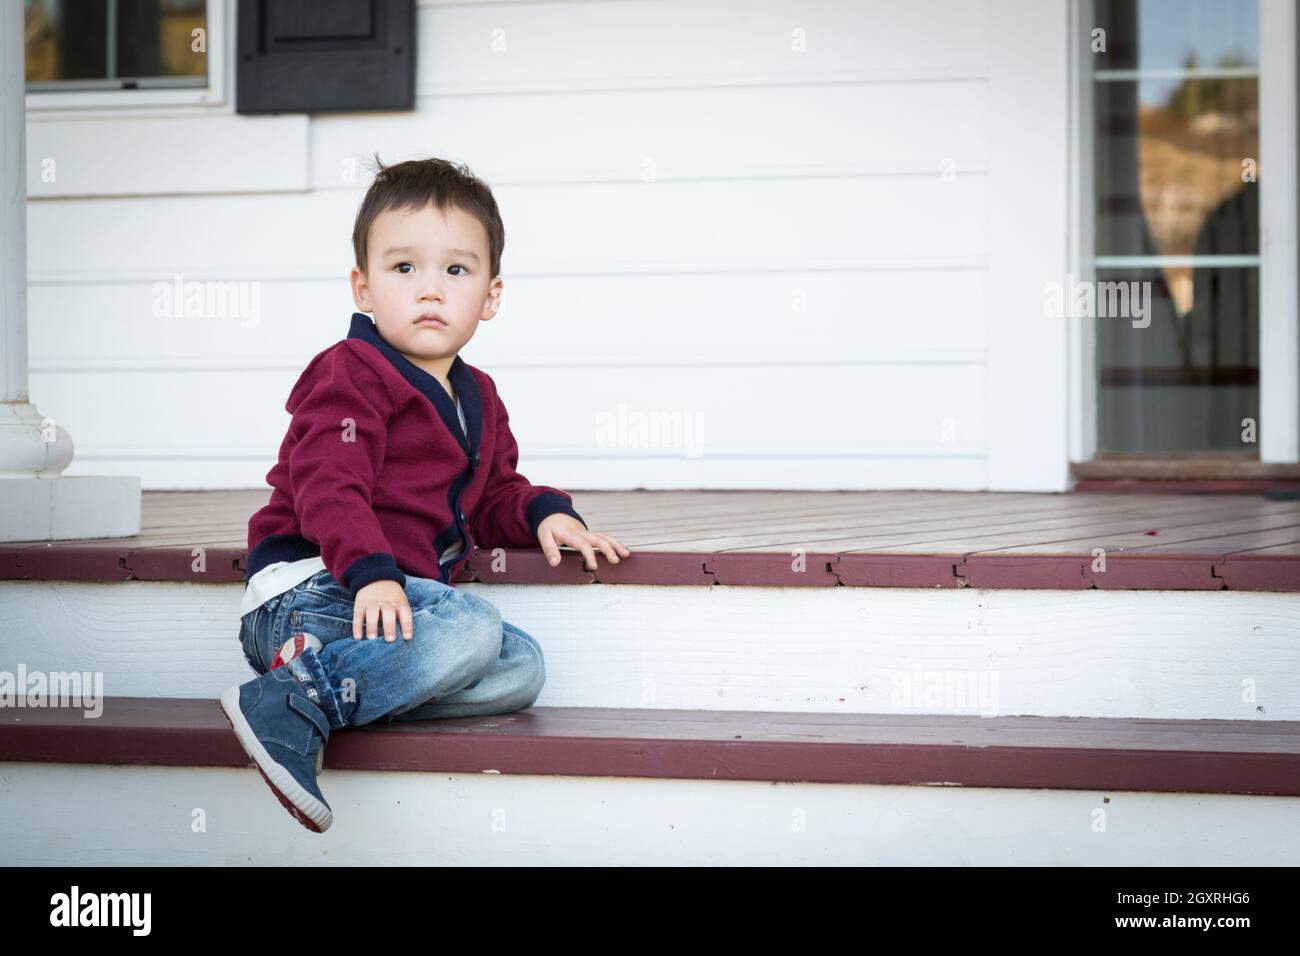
[589, 45]
[717, 133]
[749, 412]
[891, 470]
[138, 156]
[660, 226]
[755, 318]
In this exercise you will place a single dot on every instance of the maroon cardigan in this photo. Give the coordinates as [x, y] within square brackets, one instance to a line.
[377, 478]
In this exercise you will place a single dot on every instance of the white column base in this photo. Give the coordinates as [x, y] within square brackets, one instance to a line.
[59, 509]
[37, 503]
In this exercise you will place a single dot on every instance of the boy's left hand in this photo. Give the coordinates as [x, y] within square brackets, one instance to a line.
[559, 528]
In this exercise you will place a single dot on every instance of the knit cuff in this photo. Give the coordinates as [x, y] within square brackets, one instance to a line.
[379, 566]
[546, 504]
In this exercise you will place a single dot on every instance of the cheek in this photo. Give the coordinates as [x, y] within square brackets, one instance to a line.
[391, 290]
[469, 298]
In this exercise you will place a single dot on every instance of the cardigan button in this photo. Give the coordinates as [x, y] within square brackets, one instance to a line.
[476, 458]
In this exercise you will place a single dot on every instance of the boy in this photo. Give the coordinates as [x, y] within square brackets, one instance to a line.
[399, 461]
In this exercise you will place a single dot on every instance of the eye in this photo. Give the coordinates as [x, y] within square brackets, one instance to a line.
[459, 266]
[400, 264]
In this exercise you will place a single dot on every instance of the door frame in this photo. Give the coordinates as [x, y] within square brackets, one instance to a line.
[1279, 298]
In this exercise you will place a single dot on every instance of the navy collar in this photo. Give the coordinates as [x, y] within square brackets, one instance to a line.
[462, 380]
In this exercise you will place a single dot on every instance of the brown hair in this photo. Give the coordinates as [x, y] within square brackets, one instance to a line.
[415, 184]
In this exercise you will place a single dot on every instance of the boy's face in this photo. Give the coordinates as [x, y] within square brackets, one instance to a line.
[427, 262]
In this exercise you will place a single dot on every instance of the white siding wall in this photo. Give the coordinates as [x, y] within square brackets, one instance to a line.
[699, 220]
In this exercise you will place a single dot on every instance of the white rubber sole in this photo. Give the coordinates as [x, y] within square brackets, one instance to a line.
[302, 806]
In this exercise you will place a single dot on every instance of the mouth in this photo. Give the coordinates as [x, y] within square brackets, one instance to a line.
[431, 321]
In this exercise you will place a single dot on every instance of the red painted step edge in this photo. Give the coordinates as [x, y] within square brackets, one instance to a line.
[1124, 571]
[1089, 754]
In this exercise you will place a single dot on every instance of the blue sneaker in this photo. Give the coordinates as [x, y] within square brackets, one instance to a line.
[285, 734]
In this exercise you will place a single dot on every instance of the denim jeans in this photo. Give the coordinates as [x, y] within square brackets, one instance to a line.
[463, 660]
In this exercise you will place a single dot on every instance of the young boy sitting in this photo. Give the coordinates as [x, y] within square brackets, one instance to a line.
[398, 462]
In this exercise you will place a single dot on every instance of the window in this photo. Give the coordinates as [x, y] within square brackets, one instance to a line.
[1175, 206]
[115, 44]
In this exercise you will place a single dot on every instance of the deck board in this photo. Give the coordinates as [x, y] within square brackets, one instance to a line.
[873, 538]
[1093, 754]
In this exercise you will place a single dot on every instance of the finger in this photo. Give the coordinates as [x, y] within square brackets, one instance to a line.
[583, 544]
[408, 625]
[602, 546]
[622, 548]
[390, 623]
[550, 548]
[372, 621]
[606, 546]
[357, 611]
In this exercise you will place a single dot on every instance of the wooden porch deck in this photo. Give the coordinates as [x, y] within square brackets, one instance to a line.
[789, 538]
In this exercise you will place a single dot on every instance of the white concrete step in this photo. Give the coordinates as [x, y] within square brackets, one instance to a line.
[69, 814]
[164, 781]
[1090, 653]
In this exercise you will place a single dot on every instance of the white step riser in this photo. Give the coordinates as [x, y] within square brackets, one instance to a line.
[70, 814]
[1160, 654]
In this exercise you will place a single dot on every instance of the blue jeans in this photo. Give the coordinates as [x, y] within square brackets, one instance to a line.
[463, 660]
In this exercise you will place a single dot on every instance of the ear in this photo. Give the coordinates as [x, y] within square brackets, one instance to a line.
[360, 290]
[493, 301]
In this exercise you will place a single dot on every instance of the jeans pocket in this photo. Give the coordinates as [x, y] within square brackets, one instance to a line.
[327, 624]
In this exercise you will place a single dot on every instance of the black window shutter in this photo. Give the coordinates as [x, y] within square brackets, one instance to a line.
[312, 56]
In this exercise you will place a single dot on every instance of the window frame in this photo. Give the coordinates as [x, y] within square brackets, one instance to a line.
[214, 94]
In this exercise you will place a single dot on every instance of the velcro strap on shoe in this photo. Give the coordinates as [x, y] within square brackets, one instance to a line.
[309, 710]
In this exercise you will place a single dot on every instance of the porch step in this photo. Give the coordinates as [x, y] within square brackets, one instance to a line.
[154, 782]
[1167, 756]
[1178, 655]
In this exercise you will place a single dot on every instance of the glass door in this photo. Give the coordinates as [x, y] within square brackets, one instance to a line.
[1175, 202]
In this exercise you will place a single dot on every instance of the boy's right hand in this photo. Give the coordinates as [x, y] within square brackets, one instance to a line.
[381, 597]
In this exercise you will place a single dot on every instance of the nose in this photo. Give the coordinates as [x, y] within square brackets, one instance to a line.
[431, 291]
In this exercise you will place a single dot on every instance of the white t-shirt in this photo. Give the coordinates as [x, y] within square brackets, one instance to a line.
[283, 575]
